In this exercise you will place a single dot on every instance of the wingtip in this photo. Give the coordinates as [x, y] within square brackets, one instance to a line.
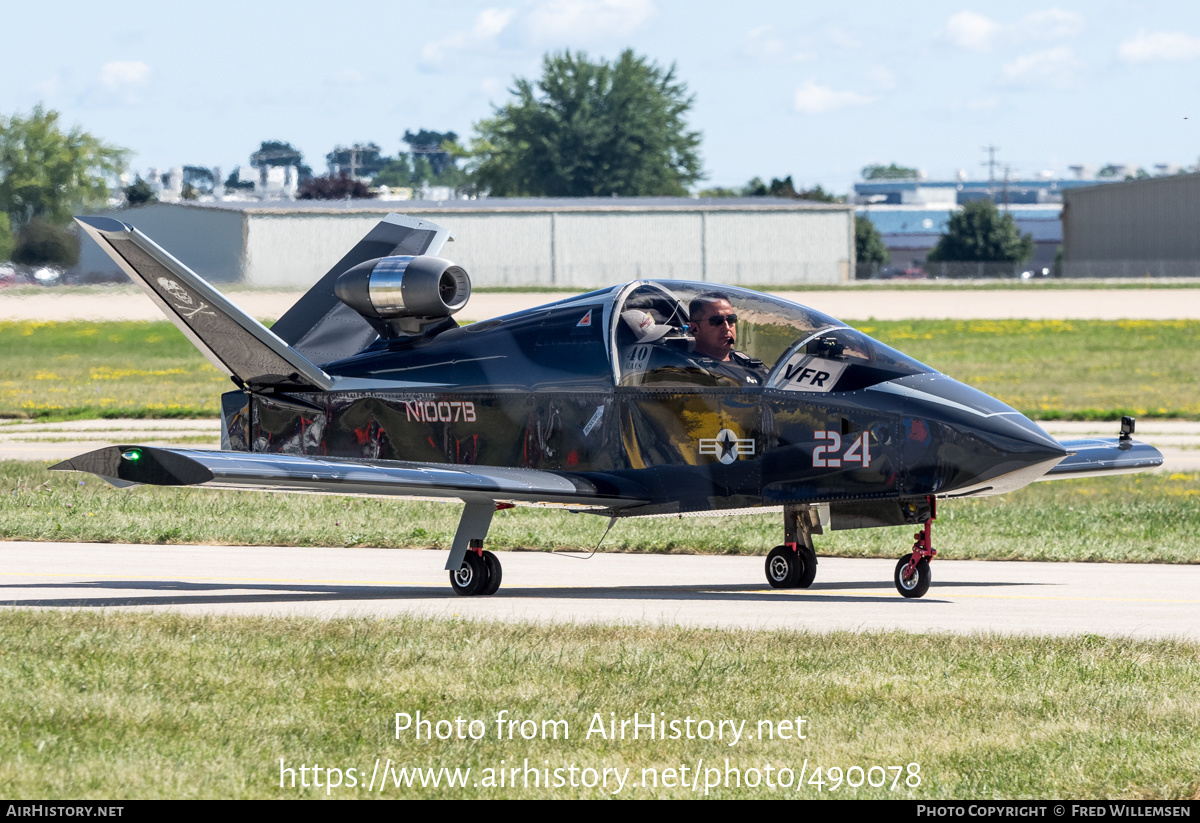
[107, 225]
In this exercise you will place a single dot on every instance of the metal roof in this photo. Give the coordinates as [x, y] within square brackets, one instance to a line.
[516, 204]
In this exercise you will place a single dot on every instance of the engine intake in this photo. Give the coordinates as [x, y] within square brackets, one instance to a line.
[403, 295]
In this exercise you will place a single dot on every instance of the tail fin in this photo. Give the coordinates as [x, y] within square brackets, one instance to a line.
[234, 342]
[323, 328]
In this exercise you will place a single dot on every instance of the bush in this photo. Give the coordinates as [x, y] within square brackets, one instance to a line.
[41, 243]
[341, 187]
[138, 193]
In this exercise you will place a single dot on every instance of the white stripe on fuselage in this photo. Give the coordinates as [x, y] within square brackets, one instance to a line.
[916, 394]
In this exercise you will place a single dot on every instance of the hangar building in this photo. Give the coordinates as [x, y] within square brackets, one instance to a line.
[1136, 228]
[574, 243]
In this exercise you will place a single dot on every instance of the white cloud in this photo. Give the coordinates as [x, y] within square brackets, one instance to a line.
[560, 22]
[121, 80]
[1149, 47]
[489, 23]
[1054, 68]
[971, 31]
[975, 32]
[765, 45]
[124, 75]
[812, 98]
[1052, 24]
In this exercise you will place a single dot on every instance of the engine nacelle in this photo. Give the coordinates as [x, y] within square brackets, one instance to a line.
[389, 288]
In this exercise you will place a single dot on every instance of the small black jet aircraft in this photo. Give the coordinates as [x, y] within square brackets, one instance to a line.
[599, 403]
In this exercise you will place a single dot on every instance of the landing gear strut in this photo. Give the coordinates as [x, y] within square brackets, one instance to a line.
[474, 571]
[794, 564]
[912, 570]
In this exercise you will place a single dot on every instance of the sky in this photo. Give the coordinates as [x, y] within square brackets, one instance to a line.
[815, 91]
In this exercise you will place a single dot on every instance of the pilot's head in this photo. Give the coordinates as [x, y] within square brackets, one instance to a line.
[712, 323]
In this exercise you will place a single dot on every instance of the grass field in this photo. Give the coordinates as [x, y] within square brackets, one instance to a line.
[1148, 518]
[122, 705]
[1047, 369]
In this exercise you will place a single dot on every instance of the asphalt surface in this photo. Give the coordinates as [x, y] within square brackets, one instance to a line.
[1141, 601]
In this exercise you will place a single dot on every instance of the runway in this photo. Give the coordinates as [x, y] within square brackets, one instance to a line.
[1058, 599]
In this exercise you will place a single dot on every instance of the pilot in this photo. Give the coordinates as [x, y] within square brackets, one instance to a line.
[715, 328]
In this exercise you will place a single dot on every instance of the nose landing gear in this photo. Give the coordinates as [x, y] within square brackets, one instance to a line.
[912, 570]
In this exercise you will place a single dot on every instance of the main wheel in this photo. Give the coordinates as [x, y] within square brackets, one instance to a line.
[471, 577]
[494, 573]
[808, 569]
[918, 583]
[783, 567]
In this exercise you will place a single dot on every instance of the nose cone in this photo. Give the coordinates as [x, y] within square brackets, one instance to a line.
[962, 441]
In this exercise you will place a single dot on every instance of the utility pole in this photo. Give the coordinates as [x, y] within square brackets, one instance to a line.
[1007, 170]
[991, 164]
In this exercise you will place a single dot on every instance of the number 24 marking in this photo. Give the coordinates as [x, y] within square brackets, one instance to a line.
[858, 452]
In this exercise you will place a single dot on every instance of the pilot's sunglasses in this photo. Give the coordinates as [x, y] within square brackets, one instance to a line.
[722, 319]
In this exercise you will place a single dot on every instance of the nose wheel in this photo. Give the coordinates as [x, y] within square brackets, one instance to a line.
[912, 570]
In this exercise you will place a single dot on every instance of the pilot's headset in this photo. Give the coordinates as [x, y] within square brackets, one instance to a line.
[644, 327]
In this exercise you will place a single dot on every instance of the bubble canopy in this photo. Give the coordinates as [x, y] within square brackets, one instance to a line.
[781, 334]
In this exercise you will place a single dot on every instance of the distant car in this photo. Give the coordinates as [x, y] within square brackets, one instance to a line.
[1029, 274]
[901, 273]
[8, 276]
[47, 276]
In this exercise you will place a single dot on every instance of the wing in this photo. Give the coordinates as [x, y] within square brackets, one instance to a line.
[135, 465]
[1104, 455]
[232, 340]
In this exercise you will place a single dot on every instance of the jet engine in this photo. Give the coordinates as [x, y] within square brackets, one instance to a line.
[403, 294]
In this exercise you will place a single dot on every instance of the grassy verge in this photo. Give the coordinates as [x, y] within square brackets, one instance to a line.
[1150, 518]
[1048, 369]
[122, 705]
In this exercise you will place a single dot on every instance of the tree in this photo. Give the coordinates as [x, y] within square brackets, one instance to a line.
[340, 187]
[42, 243]
[868, 243]
[359, 160]
[139, 193]
[890, 172]
[199, 178]
[6, 237]
[50, 174]
[980, 233]
[590, 129]
[778, 188]
[279, 153]
[436, 146]
[397, 173]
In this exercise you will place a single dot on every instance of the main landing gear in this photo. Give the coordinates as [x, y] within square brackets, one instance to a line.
[480, 572]
[912, 570]
[474, 571]
[794, 564]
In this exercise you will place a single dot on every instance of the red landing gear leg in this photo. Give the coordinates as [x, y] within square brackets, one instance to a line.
[912, 570]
